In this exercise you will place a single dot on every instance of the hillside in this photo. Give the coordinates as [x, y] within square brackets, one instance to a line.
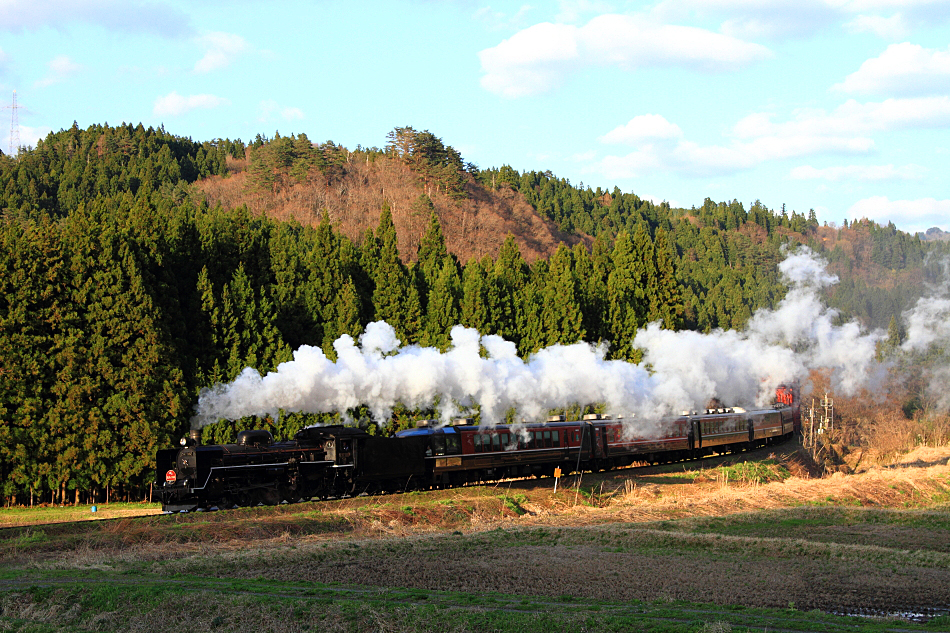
[934, 234]
[474, 224]
[725, 253]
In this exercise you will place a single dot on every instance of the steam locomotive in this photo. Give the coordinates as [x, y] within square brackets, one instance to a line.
[335, 461]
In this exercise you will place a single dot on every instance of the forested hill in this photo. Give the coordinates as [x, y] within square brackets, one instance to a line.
[138, 267]
[725, 252]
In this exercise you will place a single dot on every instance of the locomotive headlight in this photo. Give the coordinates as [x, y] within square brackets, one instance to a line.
[183, 441]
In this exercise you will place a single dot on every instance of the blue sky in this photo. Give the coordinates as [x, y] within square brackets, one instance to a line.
[842, 106]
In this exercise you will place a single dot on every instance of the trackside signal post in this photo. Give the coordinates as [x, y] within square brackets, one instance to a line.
[557, 475]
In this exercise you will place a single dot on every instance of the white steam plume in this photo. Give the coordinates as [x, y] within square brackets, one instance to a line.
[680, 370]
[927, 327]
[927, 324]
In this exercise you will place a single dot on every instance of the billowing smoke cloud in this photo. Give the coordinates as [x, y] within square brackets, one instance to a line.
[927, 338]
[680, 370]
[777, 346]
[927, 324]
[378, 373]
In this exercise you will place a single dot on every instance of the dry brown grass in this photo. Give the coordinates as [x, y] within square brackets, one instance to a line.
[694, 490]
[871, 428]
[672, 532]
[473, 227]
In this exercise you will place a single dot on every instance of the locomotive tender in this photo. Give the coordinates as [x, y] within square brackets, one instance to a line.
[333, 461]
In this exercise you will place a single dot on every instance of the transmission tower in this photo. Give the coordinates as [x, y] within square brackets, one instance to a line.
[14, 128]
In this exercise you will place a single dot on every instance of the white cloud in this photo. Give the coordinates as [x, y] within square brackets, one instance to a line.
[794, 146]
[60, 68]
[270, 109]
[29, 136]
[641, 128]
[902, 69]
[130, 16]
[496, 20]
[810, 132]
[851, 121]
[531, 61]
[658, 200]
[756, 19]
[892, 28]
[684, 158]
[777, 19]
[572, 10]
[859, 172]
[174, 104]
[222, 49]
[757, 139]
[535, 59]
[909, 215]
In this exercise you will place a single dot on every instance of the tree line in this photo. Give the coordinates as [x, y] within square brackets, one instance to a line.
[121, 296]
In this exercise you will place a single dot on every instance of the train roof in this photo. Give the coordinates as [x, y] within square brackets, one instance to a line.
[706, 413]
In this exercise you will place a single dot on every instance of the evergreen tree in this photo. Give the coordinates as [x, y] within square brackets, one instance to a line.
[592, 294]
[506, 290]
[645, 273]
[395, 298]
[532, 335]
[444, 311]
[625, 297]
[667, 305]
[348, 310]
[561, 317]
[475, 307]
[432, 253]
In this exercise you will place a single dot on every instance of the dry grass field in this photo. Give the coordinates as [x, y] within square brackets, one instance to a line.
[741, 532]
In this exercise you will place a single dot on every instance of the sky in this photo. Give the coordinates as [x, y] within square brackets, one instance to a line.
[841, 106]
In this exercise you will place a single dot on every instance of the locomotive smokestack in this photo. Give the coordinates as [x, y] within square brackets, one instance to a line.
[195, 436]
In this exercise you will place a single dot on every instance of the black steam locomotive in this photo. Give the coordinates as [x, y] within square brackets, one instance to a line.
[334, 461]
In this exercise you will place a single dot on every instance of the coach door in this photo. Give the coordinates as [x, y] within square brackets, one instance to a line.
[599, 442]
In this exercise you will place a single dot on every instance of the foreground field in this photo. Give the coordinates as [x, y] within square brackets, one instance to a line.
[735, 544]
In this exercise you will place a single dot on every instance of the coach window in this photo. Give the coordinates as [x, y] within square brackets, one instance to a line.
[495, 442]
[452, 445]
[478, 442]
[547, 439]
[556, 438]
